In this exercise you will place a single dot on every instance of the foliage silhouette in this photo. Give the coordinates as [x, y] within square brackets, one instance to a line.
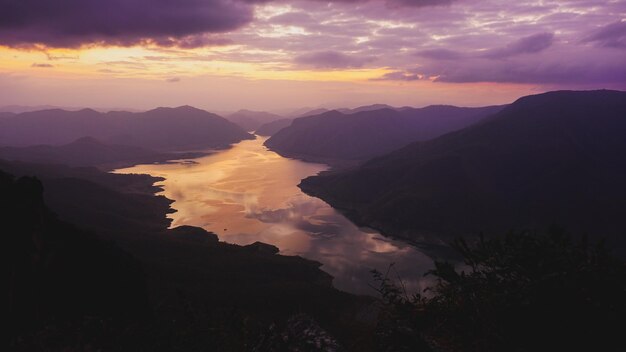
[522, 292]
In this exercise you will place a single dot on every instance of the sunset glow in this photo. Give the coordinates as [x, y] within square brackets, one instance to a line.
[403, 52]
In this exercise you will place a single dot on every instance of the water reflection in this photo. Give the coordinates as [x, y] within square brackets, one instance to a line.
[248, 193]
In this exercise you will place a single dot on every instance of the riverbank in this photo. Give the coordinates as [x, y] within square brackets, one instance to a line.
[249, 193]
[191, 277]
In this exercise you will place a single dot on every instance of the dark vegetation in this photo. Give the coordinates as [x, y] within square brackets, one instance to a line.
[58, 274]
[162, 129]
[521, 292]
[554, 158]
[368, 133]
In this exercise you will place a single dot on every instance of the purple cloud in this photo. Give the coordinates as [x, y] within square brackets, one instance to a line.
[331, 60]
[399, 76]
[72, 23]
[592, 68]
[532, 44]
[41, 65]
[439, 54]
[418, 3]
[610, 36]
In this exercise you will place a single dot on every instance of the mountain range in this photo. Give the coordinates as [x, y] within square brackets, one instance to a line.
[554, 158]
[161, 129]
[369, 131]
[251, 120]
[271, 128]
[88, 151]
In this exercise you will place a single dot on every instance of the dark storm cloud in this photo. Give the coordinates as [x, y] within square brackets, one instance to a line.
[72, 23]
[331, 60]
[611, 36]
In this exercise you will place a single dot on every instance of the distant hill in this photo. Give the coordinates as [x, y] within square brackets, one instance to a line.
[17, 109]
[86, 151]
[367, 108]
[553, 158]
[181, 128]
[369, 133]
[271, 128]
[307, 112]
[252, 120]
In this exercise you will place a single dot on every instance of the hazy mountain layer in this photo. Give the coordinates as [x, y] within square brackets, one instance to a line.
[271, 128]
[181, 128]
[252, 120]
[369, 133]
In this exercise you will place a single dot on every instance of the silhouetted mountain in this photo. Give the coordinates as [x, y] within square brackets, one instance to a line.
[86, 151]
[365, 134]
[252, 120]
[160, 129]
[68, 287]
[97, 200]
[550, 158]
[270, 128]
[58, 274]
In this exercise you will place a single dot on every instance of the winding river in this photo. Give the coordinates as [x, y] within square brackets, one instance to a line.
[248, 193]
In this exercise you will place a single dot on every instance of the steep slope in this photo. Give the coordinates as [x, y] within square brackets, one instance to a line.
[369, 133]
[56, 273]
[251, 120]
[554, 158]
[271, 128]
[160, 129]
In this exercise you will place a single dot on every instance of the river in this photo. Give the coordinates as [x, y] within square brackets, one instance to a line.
[248, 193]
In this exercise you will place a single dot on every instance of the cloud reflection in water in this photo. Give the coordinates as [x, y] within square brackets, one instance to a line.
[247, 194]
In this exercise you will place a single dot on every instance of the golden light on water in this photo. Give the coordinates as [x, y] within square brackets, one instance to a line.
[248, 193]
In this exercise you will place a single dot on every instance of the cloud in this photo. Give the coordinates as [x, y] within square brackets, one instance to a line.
[404, 75]
[41, 65]
[528, 45]
[332, 60]
[418, 3]
[586, 70]
[439, 54]
[182, 23]
[611, 36]
[73, 23]
[173, 80]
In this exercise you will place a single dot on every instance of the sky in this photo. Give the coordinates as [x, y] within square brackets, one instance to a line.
[223, 55]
